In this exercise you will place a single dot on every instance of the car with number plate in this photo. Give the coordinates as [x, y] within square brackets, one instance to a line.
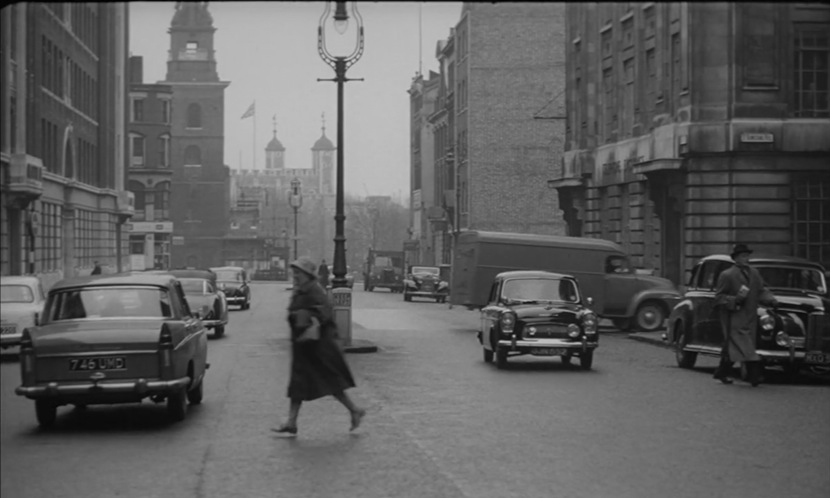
[114, 339]
[538, 313]
[794, 335]
[425, 281]
[22, 300]
[233, 281]
[204, 296]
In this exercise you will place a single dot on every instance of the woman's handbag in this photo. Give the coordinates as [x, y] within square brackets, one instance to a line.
[311, 333]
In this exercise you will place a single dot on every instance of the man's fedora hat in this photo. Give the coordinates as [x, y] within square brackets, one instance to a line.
[740, 248]
[305, 265]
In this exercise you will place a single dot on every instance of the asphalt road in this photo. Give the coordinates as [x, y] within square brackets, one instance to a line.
[441, 423]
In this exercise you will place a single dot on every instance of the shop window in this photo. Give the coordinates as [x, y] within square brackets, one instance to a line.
[811, 219]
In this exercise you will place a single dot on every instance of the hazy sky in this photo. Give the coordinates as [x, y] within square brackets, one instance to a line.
[268, 51]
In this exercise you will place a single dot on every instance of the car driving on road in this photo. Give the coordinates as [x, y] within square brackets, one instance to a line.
[21, 303]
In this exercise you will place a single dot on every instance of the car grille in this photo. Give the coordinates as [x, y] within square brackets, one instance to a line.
[818, 333]
[545, 331]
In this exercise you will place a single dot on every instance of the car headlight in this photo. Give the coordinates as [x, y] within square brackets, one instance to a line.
[573, 330]
[782, 339]
[767, 322]
[508, 321]
[589, 323]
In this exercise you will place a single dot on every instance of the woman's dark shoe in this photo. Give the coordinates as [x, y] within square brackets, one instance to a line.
[357, 416]
[725, 379]
[285, 429]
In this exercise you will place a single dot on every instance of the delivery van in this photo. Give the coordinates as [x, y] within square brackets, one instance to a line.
[603, 270]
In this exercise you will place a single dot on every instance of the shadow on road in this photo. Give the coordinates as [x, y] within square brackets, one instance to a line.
[777, 377]
[107, 419]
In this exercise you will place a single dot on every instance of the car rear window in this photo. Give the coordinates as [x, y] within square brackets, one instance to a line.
[788, 277]
[228, 275]
[16, 294]
[425, 269]
[196, 286]
[109, 302]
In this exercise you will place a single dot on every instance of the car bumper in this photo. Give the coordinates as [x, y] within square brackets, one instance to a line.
[236, 300]
[526, 345]
[8, 340]
[141, 387]
[426, 294]
[214, 323]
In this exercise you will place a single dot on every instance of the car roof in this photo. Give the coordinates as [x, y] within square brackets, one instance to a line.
[239, 268]
[206, 274]
[583, 243]
[768, 258]
[531, 274]
[158, 279]
[19, 280]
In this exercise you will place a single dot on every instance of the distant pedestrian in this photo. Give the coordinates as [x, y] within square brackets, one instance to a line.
[740, 289]
[97, 269]
[318, 367]
[323, 274]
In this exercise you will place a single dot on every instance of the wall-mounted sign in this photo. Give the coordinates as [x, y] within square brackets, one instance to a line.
[178, 240]
[757, 138]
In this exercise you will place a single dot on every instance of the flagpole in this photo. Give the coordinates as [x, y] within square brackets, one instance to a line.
[254, 165]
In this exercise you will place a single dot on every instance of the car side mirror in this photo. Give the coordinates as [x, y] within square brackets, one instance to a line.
[589, 300]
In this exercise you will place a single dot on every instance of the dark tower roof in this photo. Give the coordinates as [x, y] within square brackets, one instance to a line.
[274, 144]
[323, 143]
[192, 15]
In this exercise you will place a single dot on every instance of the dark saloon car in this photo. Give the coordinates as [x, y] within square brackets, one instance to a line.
[114, 339]
[204, 297]
[538, 313]
[793, 335]
[233, 281]
[425, 281]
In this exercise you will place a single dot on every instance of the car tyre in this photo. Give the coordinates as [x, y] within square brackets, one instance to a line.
[195, 395]
[46, 412]
[488, 355]
[685, 359]
[649, 316]
[501, 358]
[566, 359]
[586, 360]
[219, 331]
[177, 405]
[406, 297]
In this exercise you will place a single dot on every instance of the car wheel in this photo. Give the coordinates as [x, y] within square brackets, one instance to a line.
[649, 316]
[488, 355]
[219, 331]
[623, 324]
[46, 412]
[501, 358]
[685, 359]
[586, 360]
[407, 297]
[195, 395]
[177, 405]
[370, 288]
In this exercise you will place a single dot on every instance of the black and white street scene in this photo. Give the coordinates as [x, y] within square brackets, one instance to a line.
[414, 249]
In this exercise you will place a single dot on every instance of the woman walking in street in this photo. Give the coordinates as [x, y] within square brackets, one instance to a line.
[318, 367]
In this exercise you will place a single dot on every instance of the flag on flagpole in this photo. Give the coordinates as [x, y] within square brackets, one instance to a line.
[250, 111]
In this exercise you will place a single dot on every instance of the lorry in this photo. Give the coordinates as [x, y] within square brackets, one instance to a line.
[630, 299]
[384, 269]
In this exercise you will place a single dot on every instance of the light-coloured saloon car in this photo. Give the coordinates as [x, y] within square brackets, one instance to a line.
[21, 303]
[114, 339]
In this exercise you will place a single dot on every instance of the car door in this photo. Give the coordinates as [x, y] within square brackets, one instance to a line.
[696, 297]
[713, 329]
[489, 313]
[620, 285]
[193, 343]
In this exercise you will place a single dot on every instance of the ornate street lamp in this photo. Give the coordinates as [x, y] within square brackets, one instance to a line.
[340, 63]
[296, 201]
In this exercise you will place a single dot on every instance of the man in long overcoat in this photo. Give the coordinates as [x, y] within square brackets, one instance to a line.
[740, 289]
[323, 274]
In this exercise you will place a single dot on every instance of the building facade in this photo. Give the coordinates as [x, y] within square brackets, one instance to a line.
[150, 172]
[64, 103]
[199, 201]
[695, 126]
[423, 98]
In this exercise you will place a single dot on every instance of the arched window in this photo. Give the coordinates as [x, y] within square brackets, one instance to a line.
[194, 116]
[162, 207]
[137, 188]
[192, 155]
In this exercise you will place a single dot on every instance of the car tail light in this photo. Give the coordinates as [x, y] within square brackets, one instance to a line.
[27, 358]
[589, 324]
[508, 321]
[165, 347]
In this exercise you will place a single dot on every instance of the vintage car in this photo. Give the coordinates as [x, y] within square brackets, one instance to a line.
[233, 281]
[793, 335]
[538, 313]
[203, 295]
[349, 277]
[114, 339]
[425, 281]
[22, 300]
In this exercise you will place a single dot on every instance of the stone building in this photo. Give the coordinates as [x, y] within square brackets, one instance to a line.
[695, 126]
[502, 79]
[199, 203]
[423, 95]
[62, 138]
[150, 171]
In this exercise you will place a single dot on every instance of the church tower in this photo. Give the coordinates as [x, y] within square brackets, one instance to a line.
[322, 162]
[199, 197]
[275, 153]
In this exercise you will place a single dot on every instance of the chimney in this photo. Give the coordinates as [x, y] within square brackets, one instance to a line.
[136, 69]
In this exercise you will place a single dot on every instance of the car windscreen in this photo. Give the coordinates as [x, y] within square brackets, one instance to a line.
[540, 290]
[16, 294]
[196, 286]
[109, 302]
[425, 270]
[796, 278]
[228, 275]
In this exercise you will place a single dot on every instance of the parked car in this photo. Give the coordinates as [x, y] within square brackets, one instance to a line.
[22, 301]
[538, 313]
[204, 297]
[233, 281]
[111, 339]
[349, 277]
[425, 281]
[795, 334]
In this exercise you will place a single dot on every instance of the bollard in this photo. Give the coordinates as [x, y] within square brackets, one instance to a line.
[341, 298]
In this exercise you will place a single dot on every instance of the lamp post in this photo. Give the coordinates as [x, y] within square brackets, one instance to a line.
[296, 201]
[340, 64]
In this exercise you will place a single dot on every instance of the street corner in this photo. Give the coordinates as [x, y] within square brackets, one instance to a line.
[655, 338]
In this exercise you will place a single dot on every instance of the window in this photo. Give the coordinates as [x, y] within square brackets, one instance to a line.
[194, 116]
[165, 111]
[51, 237]
[192, 156]
[86, 242]
[138, 110]
[137, 151]
[608, 96]
[617, 264]
[162, 201]
[164, 151]
[651, 81]
[192, 46]
[708, 274]
[628, 97]
[137, 188]
[812, 59]
[675, 64]
[136, 244]
[811, 218]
